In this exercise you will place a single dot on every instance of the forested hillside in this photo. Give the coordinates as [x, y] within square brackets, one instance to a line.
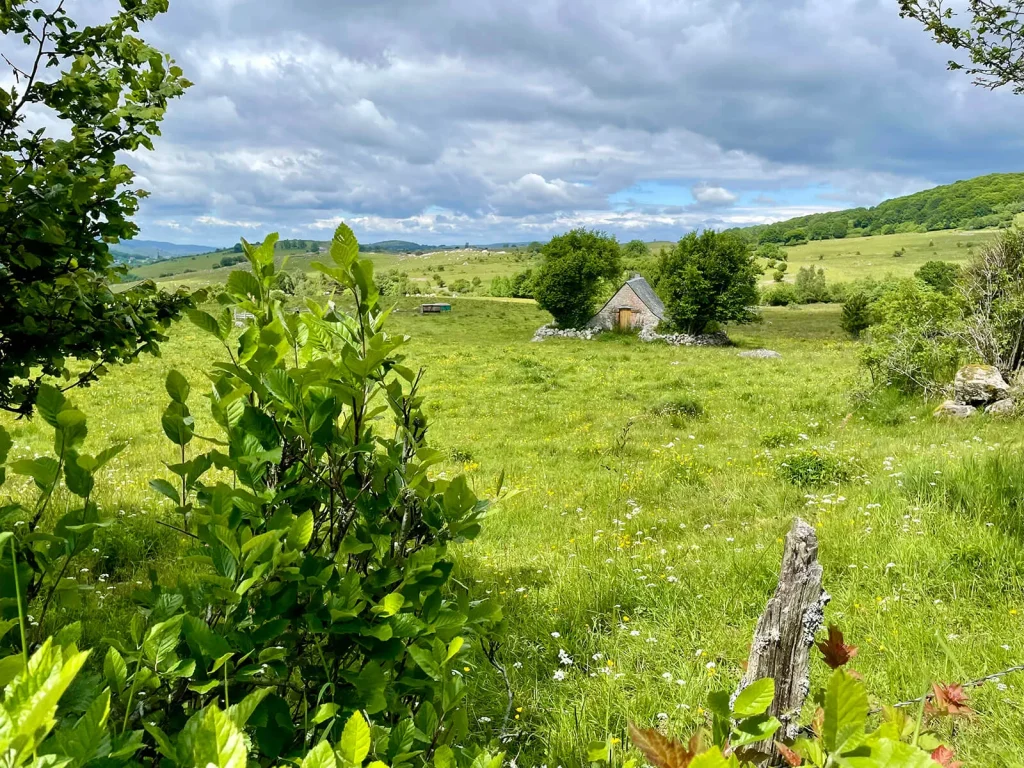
[986, 201]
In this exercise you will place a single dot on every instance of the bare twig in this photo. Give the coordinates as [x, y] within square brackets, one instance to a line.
[972, 684]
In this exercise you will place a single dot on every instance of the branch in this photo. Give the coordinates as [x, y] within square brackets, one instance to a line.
[972, 684]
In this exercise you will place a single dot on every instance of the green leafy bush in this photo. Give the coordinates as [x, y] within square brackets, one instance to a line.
[780, 296]
[709, 278]
[856, 315]
[810, 286]
[318, 586]
[813, 467]
[575, 267]
[940, 275]
[913, 345]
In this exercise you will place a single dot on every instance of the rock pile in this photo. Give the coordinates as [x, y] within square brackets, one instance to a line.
[551, 332]
[978, 387]
[686, 340]
[646, 334]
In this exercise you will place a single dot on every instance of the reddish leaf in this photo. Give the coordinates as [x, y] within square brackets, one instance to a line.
[943, 755]
[836, 652]
[949, 700]
[791, 757]
[818, 722]
[661, 751]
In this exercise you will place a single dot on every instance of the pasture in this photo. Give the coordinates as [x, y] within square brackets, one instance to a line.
[653, 488]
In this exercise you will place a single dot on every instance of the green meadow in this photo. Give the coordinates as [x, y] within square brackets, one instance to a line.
[652, 487]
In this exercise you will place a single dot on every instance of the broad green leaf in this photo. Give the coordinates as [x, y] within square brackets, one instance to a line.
[244, 285]
[49, 677]
[713, 758]
[444, 757]
[846, 713]
[242, 711]
[218, 741]
[344, 247]
[10, 667]
[89, 738]
[42, 470]
[49, 402]
[755, 698]
[355, 739]
[891, 754]
[301, 531]
[753, 729]
[208, 323]
[325, 712]
[163, 487]
[320, 756]
[454, 647]
[598, 752]
[115, 670]
[5, 445]
[177, 386]
[390, 605]
[162, 640]
[425, 660]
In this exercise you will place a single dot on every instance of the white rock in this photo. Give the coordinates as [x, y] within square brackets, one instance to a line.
[980, 385]
[954, 410]
[1004, 407]
[763, 354]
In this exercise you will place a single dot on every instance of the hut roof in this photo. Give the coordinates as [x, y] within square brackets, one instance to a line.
[647, 295]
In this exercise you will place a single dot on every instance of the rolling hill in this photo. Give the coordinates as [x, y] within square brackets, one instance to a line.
[979, 203]
[154, 250]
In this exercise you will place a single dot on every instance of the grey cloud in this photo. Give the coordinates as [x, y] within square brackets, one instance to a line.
[511, 118]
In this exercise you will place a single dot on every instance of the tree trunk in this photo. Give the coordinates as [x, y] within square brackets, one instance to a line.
[785, 632]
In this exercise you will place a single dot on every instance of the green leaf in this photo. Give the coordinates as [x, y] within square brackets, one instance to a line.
[355, 740]
[320, 756]
[165, 488]
[89, 739]
[444, 757]
[242, 711]
[301, 531]
[755, 698]
[10, 667]
[208, 323]
[344, 247]
[244, 285]
[162, 640]
[325, 712]
[454, 647]
[425, 660]
[753, 729]
[42, 470]
[177, 386]
[713, 758]
[846, 713]
[115, 670]
[218, 741]
[178, 423]
[5, 445]
[49, 402]
[390, 605]
[598, 752]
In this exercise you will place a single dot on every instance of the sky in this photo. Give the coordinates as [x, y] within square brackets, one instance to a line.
[444, 121]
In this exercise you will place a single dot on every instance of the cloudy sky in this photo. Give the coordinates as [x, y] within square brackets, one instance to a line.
[444, 121]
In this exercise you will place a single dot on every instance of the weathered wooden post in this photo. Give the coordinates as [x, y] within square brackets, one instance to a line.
[785, 632]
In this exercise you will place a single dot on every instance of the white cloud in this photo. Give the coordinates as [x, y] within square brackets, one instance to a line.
[714, 196]
[213, 221]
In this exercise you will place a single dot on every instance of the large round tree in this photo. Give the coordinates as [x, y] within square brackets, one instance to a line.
[64, 197]
[709, 278]
[570, 278]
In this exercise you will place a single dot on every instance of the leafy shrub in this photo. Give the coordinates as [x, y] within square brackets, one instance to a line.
[772, 252]
[779, 438]
[856, 315]
[681, 409]
[940, 275]
[899, 253]
[813, 467]
[780, 296]
[319, 583]
[810, 286]
[575, 267]
[709, 278]
[913, 343]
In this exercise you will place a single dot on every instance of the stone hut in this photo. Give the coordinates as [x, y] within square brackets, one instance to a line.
[634, 305]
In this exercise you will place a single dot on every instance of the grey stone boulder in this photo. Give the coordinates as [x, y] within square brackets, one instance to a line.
[1002, 408]
[979, 385]
[761, 354]
[954, 410]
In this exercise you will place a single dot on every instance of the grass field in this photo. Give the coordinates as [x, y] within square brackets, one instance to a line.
[655, 486]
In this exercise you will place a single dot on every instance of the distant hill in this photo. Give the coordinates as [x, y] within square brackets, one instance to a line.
[985, 201]
[153, 250]
[397, 246]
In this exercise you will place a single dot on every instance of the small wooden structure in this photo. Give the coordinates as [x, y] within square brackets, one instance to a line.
[634, 305]
[434, 309]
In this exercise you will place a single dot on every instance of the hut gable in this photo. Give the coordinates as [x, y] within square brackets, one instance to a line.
[634, 305]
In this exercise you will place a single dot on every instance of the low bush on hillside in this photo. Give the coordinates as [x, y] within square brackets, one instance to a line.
[779, 296]
[681, 409]
[318, 592]
[856, 316]
[814, 467]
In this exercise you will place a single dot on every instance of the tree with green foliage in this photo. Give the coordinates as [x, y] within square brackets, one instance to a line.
[940, 275]
[575, 267]
[707, 279]
[64, 199]
[772, 252]
[991, 41]
[810, 285]
[780, 271]
[636, 250]
[856, 316]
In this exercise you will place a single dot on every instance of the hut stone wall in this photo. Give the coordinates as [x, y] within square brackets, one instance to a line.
[608, 317]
